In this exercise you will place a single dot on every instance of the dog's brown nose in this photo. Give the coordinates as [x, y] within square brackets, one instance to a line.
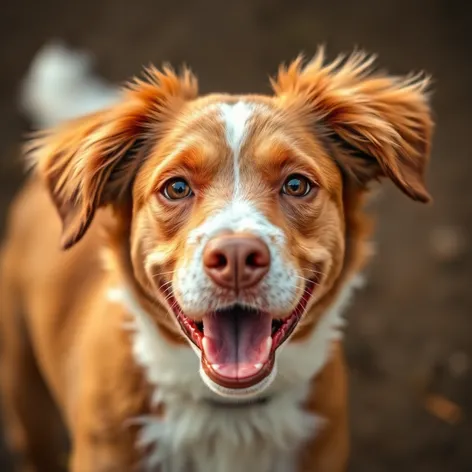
[236, 261]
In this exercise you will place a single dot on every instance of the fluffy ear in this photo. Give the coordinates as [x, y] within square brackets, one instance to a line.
[380, 125]
[91, 161]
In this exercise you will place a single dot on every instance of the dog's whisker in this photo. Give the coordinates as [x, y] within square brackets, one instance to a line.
[166, 285]
[314, 271]
[303, 278]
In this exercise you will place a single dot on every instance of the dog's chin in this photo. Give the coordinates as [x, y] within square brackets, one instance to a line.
[237, 345]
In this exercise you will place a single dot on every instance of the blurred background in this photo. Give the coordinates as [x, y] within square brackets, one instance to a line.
[409, 336]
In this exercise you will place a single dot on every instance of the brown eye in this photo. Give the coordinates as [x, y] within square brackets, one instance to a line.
[177, 189]
[297, 185]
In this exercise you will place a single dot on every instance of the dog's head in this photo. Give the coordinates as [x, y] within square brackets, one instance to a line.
[243, 210]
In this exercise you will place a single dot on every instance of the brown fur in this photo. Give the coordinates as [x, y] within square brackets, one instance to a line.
[339, 122]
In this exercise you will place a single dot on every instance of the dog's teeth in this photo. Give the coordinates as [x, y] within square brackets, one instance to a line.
[215, 366]
[258, 366]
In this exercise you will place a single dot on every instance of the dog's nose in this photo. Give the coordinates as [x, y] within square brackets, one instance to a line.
[236, 261]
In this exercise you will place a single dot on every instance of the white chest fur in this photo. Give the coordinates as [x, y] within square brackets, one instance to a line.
[198, 436]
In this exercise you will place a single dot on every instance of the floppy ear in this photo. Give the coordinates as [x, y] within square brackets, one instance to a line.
[379, 125]
[91, 162]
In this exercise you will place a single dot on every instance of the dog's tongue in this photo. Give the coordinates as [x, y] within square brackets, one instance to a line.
[237, 342]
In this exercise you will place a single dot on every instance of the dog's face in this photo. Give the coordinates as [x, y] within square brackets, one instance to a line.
[239, 226]
[239, 205]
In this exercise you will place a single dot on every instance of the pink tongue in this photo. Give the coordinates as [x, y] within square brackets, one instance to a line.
[237, 342]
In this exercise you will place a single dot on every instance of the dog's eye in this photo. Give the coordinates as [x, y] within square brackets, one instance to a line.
[177, 189]
[297, 185]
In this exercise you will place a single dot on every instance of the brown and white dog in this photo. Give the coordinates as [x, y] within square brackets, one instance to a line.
[190, 322]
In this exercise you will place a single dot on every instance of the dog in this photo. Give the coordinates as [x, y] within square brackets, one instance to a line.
[176, 268]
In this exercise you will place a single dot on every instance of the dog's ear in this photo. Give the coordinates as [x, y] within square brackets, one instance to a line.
[91, 161]
[377, 125]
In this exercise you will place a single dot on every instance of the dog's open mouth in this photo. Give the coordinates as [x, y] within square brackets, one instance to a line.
[238, 344]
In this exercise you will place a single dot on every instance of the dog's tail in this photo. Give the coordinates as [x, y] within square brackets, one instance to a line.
[61, 85]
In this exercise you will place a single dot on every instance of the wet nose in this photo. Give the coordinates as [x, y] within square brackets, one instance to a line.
[236, 261]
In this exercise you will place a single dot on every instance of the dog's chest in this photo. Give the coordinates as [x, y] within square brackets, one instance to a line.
[193, 435]
[201, 437]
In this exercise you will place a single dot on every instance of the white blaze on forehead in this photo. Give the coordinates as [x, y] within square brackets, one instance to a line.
[235, 119]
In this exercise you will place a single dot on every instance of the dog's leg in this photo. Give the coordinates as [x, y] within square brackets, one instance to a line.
[102, 449]
[95, 457]
[329, 450]
[111, 398]
[31, 422]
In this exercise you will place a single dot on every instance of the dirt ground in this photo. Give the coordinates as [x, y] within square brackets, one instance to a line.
[409, 333]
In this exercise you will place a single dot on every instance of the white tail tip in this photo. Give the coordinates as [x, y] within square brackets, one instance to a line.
[60, 85]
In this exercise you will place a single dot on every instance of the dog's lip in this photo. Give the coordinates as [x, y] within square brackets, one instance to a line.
[240, 383]
[283, 329]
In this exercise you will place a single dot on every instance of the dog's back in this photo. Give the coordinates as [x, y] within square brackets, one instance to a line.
[29, 265]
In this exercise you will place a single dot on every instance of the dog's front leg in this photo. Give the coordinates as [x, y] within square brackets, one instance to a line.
[103, 429]
[329, 449]
[98, 454]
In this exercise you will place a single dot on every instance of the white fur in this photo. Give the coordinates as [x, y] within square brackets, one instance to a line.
[197, 436]
[235, 118]
[60, 85]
